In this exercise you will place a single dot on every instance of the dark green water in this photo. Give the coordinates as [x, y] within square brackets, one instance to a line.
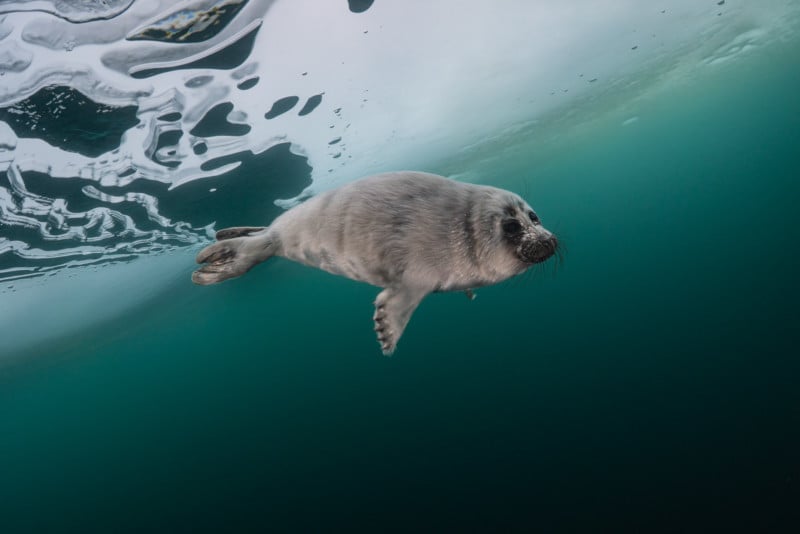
[651, 385]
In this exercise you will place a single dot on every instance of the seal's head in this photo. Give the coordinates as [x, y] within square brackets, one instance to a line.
[523, 232]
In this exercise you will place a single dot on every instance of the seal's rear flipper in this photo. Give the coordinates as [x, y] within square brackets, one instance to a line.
[237, 231]
[393, 309]
[231, 257]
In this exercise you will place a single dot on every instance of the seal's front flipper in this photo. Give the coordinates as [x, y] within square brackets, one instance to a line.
[393, 309]
[231, 257]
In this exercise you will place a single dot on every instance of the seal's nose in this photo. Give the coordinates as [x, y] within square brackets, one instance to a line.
[545, 248]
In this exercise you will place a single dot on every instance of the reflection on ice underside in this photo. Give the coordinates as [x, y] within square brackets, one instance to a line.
[131, 127]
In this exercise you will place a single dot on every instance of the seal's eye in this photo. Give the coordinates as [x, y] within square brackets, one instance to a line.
[511, 226]
[534, 218]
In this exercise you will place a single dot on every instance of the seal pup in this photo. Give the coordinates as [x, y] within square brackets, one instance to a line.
[410, 233]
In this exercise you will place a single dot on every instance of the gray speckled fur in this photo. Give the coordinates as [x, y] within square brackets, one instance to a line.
[408, 232]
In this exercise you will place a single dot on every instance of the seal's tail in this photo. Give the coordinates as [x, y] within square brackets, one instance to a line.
[236, 251]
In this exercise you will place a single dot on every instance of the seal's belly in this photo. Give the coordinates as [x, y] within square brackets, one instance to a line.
[339, 263]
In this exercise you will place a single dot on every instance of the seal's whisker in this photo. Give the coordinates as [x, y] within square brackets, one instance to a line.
[538, 270]
[552, 267]
[529, 274]
[559, 258]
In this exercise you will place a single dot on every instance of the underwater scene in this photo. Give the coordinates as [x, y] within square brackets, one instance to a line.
[642, 376]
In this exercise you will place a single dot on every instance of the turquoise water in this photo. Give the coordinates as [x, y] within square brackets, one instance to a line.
[650, 384]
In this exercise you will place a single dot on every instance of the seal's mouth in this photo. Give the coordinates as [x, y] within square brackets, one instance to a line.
[538, 250]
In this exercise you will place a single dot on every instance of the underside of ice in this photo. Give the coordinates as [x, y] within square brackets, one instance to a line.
[129, 128]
